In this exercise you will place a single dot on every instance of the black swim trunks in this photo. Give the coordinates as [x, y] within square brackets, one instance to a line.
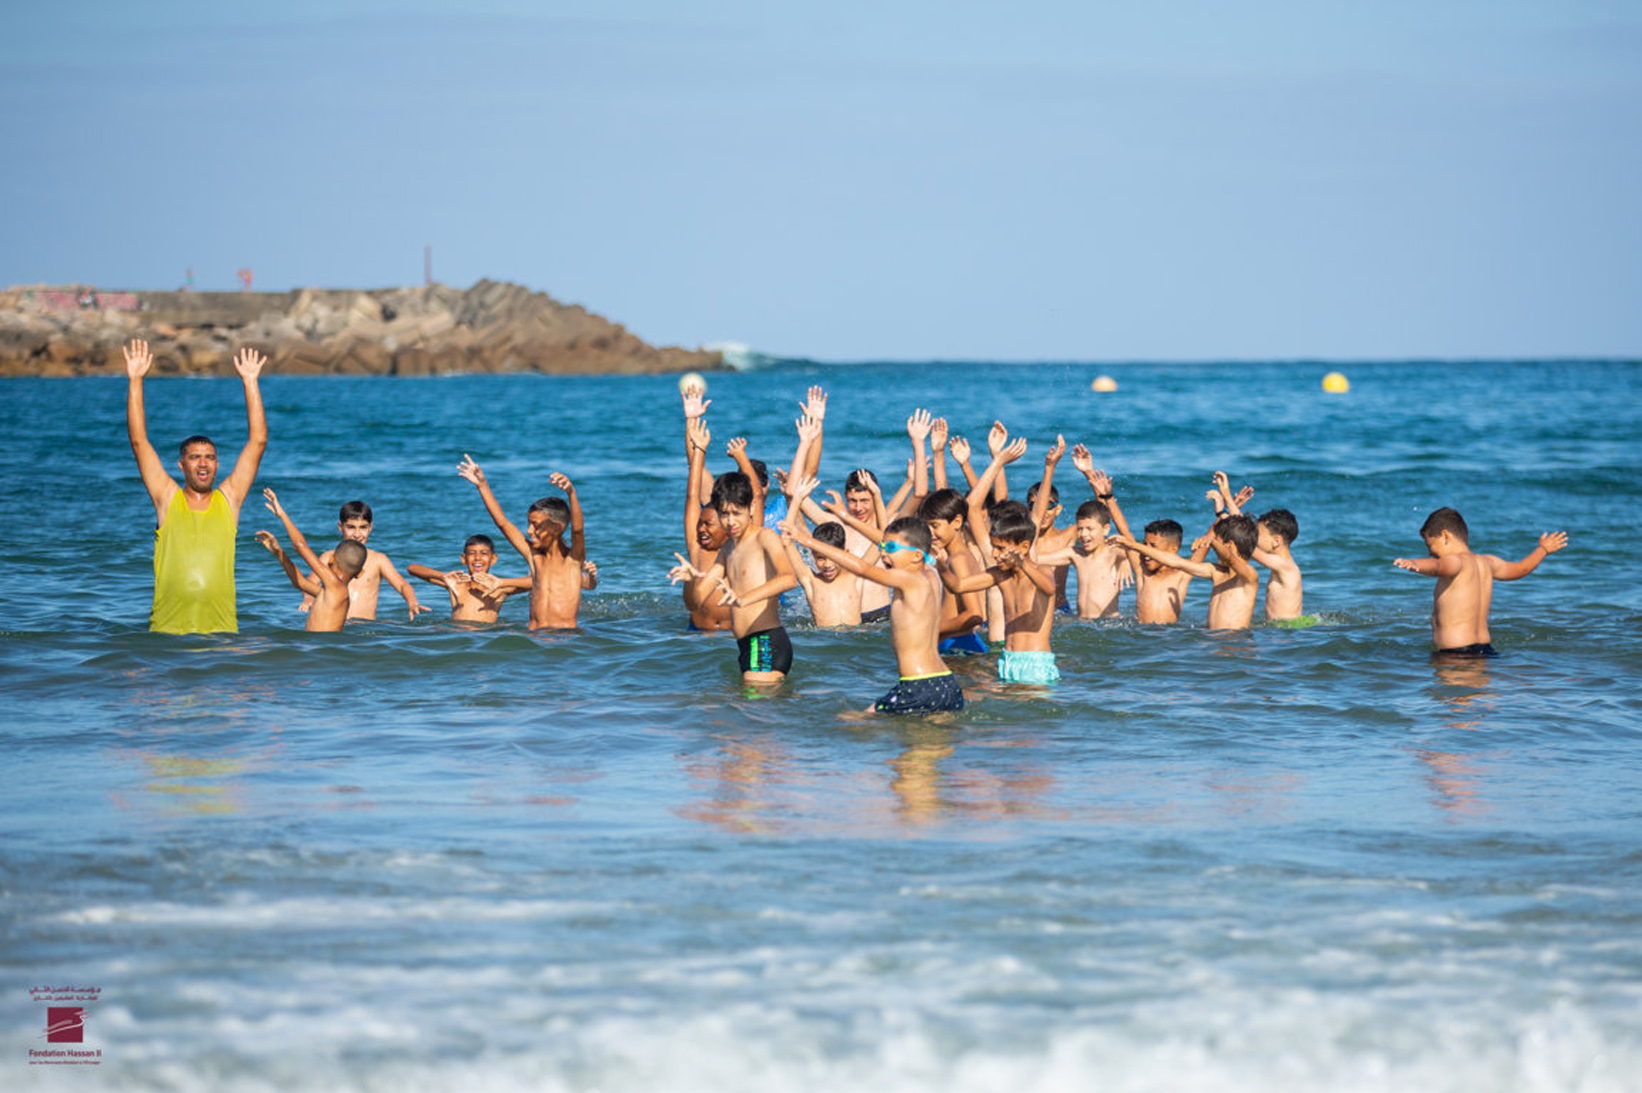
[877, 614]
[926, 694]
[765, 651]
[1480, 649]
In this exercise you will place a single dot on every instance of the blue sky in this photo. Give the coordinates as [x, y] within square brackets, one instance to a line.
[1037, 181]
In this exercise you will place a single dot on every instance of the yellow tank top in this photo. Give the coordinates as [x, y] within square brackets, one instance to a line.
[194, 569]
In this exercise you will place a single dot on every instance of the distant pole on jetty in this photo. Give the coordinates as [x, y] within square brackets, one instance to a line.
[427, 263]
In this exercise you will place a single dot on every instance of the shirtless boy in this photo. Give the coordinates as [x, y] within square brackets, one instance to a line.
[925, 686]
[946, 513]
[1053, 542]
[1028, 590]
[703, 535]
[834, 592]
[354, 522]
[477, 594]
[557, 571]
[1465, 582]
[751, 571]
[1231, 603]
[329, 584]
[1160, 591]
[1277, 531]
[1284, 599]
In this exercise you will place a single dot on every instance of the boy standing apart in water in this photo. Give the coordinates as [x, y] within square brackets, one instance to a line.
[354, 522]
[1465, 581]
[751, 571]
[557, 569]
[926, 686]
[330, 590]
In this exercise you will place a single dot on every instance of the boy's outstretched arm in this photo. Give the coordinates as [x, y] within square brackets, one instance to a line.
[996, 438]
[937, 452]
[303, 584]
[960, 455]
[809, 435]
[471, 471]
[893, 510]
[427, 573]
[918, 429]
[1040, 505]
[815, 408]
[1193, 566]
[326, 575]
[1429, 567]
[1007, 452]
[578, 541]
[737, 450]
[401, 586]
[697, 437]
[1549, 544]
[792, 531]
[248, 363]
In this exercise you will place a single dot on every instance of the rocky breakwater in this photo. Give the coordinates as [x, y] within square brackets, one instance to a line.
[492, 327]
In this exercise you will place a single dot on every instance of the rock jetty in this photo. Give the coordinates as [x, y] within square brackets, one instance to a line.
[494, 326]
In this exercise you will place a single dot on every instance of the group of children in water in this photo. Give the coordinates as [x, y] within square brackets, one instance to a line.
[944, 566]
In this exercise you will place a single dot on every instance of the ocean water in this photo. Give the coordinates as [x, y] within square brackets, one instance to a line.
[426, 857]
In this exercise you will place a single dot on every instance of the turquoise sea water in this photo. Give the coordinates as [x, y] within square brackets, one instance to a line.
[417, 856]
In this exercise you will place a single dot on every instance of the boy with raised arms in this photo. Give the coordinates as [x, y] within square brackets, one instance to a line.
[1465, 581]
[1160, 591]
[704, 536]
[557, 572]
[1053, 543]
[925, 685]
[354, 522]
[1027, 589]
[329, 584]
[1277, 531]
[477, 594]
[751, 571]
[1102, 565]
[1231, 603]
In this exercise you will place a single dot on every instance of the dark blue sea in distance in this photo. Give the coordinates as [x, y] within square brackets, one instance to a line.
[427, 857]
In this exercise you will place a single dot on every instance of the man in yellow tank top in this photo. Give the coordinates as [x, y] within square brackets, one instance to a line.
[195, 522]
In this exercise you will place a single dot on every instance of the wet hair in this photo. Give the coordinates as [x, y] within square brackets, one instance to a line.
[350, 556]
[943, 504]
[913, 530]
[1445, 519]
[831, 533]
[558, 511]
[1239, 531]
[1282, 523]
[1095, 510]
[1012, 523]
[732, 488]
[182, 449]
[354, 510]
[762, 471]
[856, 482]
[1032, 495]
[1168, 530]
[479, 540]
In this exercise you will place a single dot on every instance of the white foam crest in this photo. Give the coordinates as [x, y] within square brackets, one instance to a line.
[318, 912]
[1298, 1043]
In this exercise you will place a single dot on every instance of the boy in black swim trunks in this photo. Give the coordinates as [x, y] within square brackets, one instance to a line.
[751, 571]
[914, 609]
[1465, 581]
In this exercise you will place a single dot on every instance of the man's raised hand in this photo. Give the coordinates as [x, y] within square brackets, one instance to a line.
[138, 360]
[248, 363]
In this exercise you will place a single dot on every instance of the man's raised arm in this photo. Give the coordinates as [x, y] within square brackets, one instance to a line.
[160, 485]
[248, 363]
